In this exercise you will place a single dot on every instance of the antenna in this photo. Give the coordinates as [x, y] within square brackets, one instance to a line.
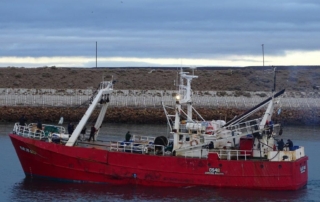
[262, 54]
[274, 79]
[177, 79]
[181, 79]
[96, 54]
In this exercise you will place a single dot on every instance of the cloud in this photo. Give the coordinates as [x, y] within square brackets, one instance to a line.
[289, 58]
[193, 30]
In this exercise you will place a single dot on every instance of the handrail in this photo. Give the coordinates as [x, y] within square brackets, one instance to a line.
[228, 153]
[249, 129]
[143, 138]
[60, 128]
[28, 131]
[143, 148]
[134, 147]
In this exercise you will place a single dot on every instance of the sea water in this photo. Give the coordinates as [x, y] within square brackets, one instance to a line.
[15, 187]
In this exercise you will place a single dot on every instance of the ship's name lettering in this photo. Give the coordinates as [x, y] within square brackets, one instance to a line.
[303, 168]
[27, 150]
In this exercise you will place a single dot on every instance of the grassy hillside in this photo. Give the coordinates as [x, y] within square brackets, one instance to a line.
[220, 79]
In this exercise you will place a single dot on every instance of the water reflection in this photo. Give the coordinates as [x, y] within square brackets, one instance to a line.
[42, 190]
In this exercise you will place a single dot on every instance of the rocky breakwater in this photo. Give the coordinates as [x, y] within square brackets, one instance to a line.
[148, 115]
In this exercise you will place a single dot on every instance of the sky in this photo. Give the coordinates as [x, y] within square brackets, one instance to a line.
[159, 33]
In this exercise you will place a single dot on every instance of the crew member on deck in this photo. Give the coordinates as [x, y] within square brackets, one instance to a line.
[70, 128]
[39, 124]
[271, 126]
[289, 144]
[128, 136]
[92, 132]
[22, 120]
[280, 145]
[83, 132]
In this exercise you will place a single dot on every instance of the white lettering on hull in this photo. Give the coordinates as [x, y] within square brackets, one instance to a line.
[214, 171]
[28, 150]
[303, 169]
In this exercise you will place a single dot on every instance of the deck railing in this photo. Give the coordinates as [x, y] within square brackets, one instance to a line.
[134, 147]
[144, 146]
[222, 153]
[143, 138]
[228, 153]
[28, 131]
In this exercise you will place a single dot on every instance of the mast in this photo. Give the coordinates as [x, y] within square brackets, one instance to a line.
[185, 92]
[105, 89]
[263, 144]
[183, 98]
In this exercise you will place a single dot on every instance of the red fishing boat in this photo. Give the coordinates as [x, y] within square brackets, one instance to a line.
[240, 153]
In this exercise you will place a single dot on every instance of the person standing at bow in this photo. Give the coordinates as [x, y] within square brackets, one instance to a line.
[22, 120]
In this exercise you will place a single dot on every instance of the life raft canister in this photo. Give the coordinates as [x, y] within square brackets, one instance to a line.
[209, 128]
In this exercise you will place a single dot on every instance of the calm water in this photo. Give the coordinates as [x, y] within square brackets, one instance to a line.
[14, 186]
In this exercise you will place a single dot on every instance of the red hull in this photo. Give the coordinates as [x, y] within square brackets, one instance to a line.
[42, 159]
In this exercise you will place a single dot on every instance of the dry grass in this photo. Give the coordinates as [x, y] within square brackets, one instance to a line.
[220, 79]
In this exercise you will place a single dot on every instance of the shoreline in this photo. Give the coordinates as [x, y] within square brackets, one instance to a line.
[147, 115]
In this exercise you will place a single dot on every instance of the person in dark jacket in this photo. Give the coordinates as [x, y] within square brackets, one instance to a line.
[92, 133]
[70, 128]
[289, 144]
[83, 132]
[22, 120]
[128, 136]
[280, 145]
[271, 126]
[39, 124]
